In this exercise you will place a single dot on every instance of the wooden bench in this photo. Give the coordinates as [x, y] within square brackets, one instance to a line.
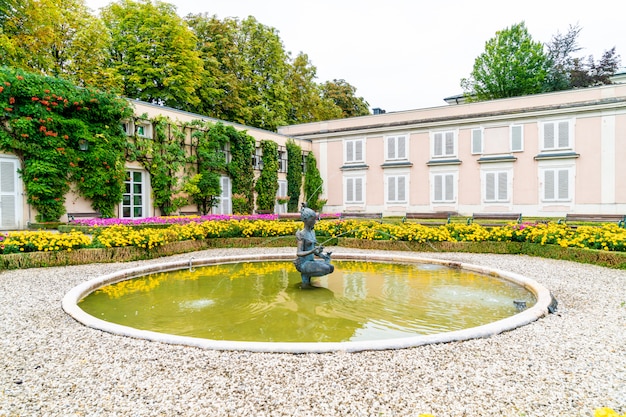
[361, 216]
[620, 219]
[494, 219]
[430, 219]
[289, 216]
[83, 215]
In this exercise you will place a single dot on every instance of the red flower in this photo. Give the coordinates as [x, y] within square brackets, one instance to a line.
[42, 128]
[1, 89]
[8, 109]
[24, 135]
[11, 100]
[46, 91]
[35, 98]
[19, 77]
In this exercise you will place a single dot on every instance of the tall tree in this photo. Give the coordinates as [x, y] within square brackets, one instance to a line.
[55, 37]
[153, 52]
[344, 96]
[307, 103]
[513, 64]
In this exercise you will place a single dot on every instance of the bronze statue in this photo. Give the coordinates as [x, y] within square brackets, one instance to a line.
[308, 249]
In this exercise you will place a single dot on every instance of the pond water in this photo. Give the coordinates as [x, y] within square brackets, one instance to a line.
[263, 302]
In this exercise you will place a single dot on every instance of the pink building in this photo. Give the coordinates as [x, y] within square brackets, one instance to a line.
[541, 155]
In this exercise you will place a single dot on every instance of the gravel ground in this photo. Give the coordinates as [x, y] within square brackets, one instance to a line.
[566, 364]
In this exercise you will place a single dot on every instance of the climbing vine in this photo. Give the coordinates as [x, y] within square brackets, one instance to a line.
[205, 187]
[313, 184]
[267, 183]
[62, 133]
[294, 174]
[241, 171]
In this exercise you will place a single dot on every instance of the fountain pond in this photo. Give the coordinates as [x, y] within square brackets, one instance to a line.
[257, 303]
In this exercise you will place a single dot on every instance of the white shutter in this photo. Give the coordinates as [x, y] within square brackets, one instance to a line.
[548, 185]
[358, 151]
[438, 144]
[502, 186]
[477, 141]
[490, 186]
[563, 134]
[401, 145]
[516, 139]
[563, 184]
[358, 189]
[402, 188]
[391, 189]
[350, 189]
[449, 143]
[449, 187]
[548, 135]
[391, 148]
[8, 195]
[349, 151]
[438, 192]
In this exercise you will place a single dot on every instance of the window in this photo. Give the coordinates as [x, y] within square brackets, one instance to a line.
[443, 144]
[143, 130]
[134, 199]
[517, 138]
[354, 151]
[556, 184]
[282, 161]
[443, 187]
[281, 192]
[354, 190]
[496, 186]
[224, 201]
[556, 135]
[257, 159]
[395, 148]
[396, 188]
[477, 141]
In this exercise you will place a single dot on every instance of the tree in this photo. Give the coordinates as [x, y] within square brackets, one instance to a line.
[344, 96]
[307, 103]
[267, 184]
[313, 184]
[568, 71]
[512, 65]
[240, 170]
[58, 38]
[294, 174]
[153, 52]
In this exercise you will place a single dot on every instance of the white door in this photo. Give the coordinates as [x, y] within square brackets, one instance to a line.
[134, 199]
[10, 208]
[225, 203]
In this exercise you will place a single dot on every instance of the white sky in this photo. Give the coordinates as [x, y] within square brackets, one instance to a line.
[409, 54]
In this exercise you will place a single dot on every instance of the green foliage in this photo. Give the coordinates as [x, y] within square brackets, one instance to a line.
[512, 65]
[205, 187]
[313, 184]
[163, 156]
[267, 183]
[294, 174]
[153, 53]
[342, 94]
[240, 169]
[43, 121]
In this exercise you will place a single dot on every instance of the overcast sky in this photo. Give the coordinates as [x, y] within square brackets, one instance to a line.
[410, 54]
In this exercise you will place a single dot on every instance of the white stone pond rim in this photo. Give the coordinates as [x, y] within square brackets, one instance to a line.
[540, 309]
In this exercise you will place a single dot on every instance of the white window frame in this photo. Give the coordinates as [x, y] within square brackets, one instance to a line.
[446, 141]
[349, 191]
[225, 202]
[350, 151]
[477, 141]
[398, 185]
[558, 128]
[143, 195]
[396, 147]
[551, 179]
[144, 130]
[512, 130]
[502, 180]
[281, 192]
[446, 179]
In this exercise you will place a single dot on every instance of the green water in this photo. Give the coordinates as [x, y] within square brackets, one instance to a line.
[263, 301]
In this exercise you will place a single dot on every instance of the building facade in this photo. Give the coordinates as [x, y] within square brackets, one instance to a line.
[542, 155]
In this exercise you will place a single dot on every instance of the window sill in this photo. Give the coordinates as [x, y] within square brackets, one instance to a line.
[557, 155]
[397, 164]
[354, 167]
[501, 158]
[443, 162]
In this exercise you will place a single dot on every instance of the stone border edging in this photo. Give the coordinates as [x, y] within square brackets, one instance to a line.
[540, 309]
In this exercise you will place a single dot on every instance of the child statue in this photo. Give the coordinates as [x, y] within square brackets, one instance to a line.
[308, 249]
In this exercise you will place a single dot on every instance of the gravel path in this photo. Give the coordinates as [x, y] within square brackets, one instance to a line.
[566, 364]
